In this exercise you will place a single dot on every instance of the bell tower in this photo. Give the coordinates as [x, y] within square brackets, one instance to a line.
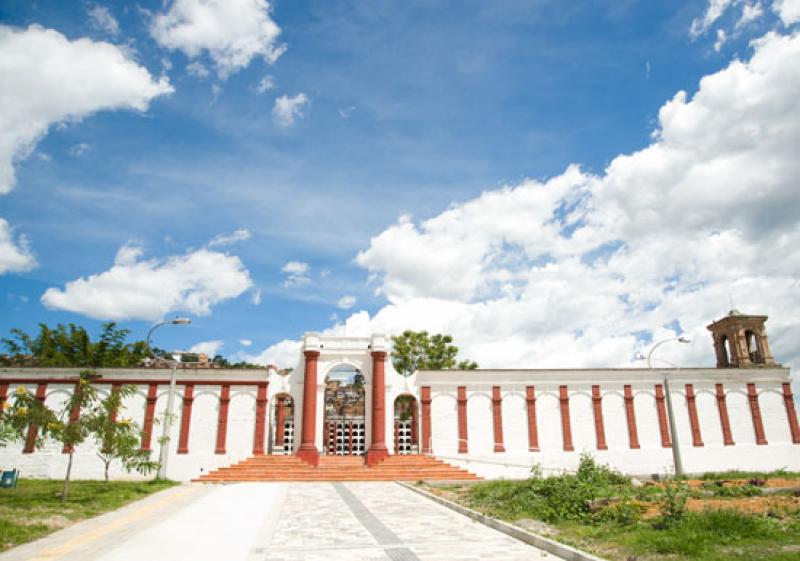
[740, 341]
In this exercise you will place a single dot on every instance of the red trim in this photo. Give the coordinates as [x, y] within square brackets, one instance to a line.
[308, 449]
[3, 394]
[755, 412]
[186, 419]
[134, 381]
[414, 421]
[74, 415]
[724, 420]
[377, 450]
[663, 424]
[222, 419]
[425, 400]
[462, 420]
[497, 419]
[33, 430]
[279, 420]
[566, 425]
[261, 419]
[533, 433]
[599, 426]
[788, 401]
[149, 415]
[691, 404]
[630, 415]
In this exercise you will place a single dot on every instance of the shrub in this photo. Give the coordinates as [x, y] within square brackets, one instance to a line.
[672, 505]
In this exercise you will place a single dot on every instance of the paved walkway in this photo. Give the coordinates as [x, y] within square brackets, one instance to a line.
[280, 522]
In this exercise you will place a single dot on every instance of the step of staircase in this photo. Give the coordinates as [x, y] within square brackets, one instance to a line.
[338, 468]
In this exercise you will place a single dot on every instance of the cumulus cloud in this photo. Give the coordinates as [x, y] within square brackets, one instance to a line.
[48, 78]
[297, 273]
[288, 109]
[15, 255]
[101, 18]
[231, 32]
[788, 10]
[267, 83]
[283, 354]
[148, 289]
[240, 235]
[715, 10]
[750, 13]
[210, 348]
[245, 342]
[346, 302]
[197, 69]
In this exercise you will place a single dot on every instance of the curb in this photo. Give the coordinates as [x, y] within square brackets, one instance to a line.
[551, 546]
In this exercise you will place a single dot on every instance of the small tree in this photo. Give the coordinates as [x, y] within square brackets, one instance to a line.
[119, 439]
[417, 350]
[26, 411]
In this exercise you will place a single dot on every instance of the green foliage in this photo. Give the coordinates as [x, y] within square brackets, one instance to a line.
[672, 504]
[735, 474]
[21, 411]
[417, 350]
[720, 490]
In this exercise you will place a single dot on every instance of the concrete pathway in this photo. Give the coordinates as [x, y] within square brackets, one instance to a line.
[280, 522]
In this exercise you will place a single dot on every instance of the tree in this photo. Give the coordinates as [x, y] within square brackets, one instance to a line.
[417, 350]
[119, 439]
[24, 412]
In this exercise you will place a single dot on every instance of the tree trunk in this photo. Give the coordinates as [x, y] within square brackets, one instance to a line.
[65, 489]
[108, 463]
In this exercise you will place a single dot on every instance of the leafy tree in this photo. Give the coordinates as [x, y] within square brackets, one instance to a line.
[417, 350]
[25, 411]
[119, 439]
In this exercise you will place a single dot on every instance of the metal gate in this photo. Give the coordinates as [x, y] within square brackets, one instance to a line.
[345, 436]
[281, 429]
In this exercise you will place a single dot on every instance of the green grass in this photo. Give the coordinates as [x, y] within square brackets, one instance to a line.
[734, 474]
[34, 508]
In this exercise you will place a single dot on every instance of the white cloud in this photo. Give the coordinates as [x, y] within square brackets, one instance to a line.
[79, 149]
[48, 79]
[210, 348]
[232, 32]
[345, 112]
[15, 255]
[288, 109]
[245, 342]
[256, 297]
[134, 288]
[197, 69]
[297, 273]
[282, 355]
[240, 235]
[788, 10]
[721, 38]
[714, 11]
[346, 302]
[267, 83]
[102, 19]
[750, 13]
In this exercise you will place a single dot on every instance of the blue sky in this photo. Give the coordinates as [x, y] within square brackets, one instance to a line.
[404, 110]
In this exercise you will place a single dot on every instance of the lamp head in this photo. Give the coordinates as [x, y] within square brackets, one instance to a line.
[180, 321]
[683, 340]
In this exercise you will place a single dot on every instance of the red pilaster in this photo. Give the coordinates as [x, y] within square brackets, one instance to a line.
[260, 431]
[663, 426]
[599, 425]
[222, 419]
[425, 401]
[497, 419]
[691, 403]
[630, 416]
[74, 415]
[115, 389]
[279, 419]
[788, 401]
[3, 394]
[149, 415]
[724, 421]
[377, 450]
[755, 412]
[462, 420]
[414, 421]
[186, 419]
[308, 449]
[33, 430]
[566, 424]
[533, 433]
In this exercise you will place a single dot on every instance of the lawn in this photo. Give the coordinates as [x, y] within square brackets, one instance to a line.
[34, 508]
[732, 516]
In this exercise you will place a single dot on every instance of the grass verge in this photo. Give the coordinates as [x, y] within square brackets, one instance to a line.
[34, 508]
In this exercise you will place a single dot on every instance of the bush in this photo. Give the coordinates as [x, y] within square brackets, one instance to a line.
[672, 505]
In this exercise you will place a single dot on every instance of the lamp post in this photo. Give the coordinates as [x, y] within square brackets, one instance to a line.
[676, 451]
[163, 452]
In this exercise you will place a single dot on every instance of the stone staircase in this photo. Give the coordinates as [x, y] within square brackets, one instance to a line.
[338, 468]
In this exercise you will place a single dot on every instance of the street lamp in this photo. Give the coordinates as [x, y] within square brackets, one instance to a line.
[676, 452]
[163, 452]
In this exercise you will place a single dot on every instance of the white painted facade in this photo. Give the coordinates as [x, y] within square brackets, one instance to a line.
[516, 461]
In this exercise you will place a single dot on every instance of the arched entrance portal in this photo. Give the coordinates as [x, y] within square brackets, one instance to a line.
[345, 424]
[281, 437]
[406, 439]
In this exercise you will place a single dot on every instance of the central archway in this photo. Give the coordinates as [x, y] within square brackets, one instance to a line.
[345, 425]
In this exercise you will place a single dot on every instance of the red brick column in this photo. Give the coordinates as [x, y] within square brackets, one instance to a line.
[497, 419]
[533, 433]
[462, 420]
[414, 421]
[308, 449]
[663, 425]
[630, 416]
[599, 426]
[788, 401]
[3, 393]
[74, 415]
[691, 403]
[755, 412]
[33, 430]
[260, 431]
[222, 419]
[279, 404]
[566, 424]
[186, 419]
[377, 450]
[425, 401]
[724, 421]
[149, 415]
